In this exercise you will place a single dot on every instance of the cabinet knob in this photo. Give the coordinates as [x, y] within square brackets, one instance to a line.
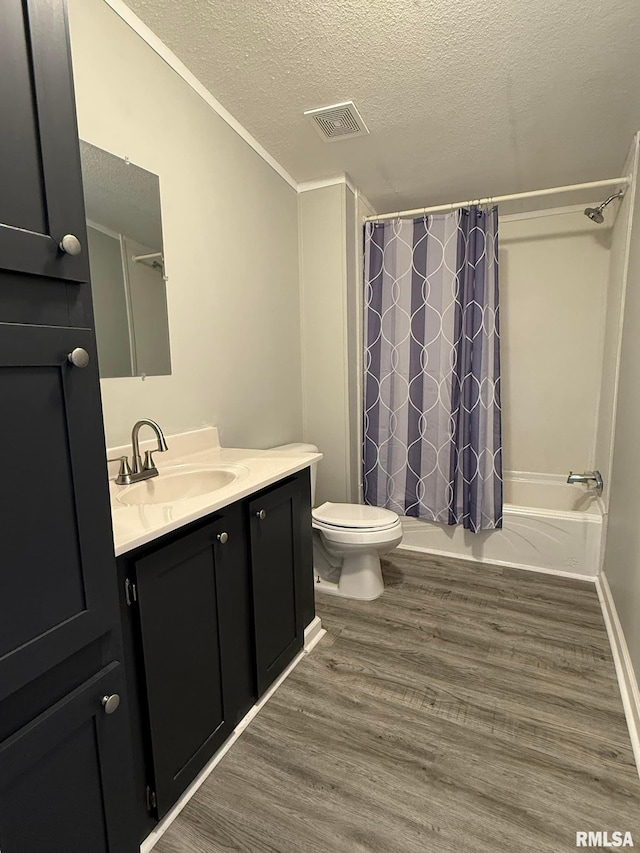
[78, 357]
[261, 514]
[70, 245]
[111, 703]
[223, 538]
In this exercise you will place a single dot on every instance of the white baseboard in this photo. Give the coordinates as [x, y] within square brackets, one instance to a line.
[624, 668]
[311, 632]
[312, 636]
[510, 565]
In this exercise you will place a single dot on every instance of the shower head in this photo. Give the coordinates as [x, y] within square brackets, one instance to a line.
[595, 213]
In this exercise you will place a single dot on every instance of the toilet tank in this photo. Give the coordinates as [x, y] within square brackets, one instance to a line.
[299, 447]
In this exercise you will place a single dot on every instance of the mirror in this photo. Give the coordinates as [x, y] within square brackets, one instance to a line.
[124, 231]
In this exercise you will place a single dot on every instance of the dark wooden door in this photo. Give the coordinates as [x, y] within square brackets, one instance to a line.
[275, 556]
[41, 198]
[182, 651]
[65, 780]
[57, 577]
[62, 785]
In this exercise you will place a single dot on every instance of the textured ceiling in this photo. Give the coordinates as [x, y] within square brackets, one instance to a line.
[463, 98]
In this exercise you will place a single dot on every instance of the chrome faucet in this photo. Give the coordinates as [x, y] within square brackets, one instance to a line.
[586, 478]
[139, 469]
[147, 467]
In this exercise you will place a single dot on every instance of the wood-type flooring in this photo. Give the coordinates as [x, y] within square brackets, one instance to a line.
[470, 709]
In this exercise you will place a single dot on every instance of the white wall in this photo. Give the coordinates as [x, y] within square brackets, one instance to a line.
[325, 373]
[553, 281]
[622, 553]
[353, 313]
[331, 249]
[230, 244]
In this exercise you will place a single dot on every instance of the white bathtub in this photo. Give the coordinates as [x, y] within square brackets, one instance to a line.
[547, 525]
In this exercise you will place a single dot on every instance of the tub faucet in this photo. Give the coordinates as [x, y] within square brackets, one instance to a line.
[586, 478]
[139, 470]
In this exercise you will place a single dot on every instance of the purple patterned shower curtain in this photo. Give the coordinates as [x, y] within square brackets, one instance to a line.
[432, 413]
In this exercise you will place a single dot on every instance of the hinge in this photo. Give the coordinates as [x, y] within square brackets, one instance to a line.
[130, 592]
[152, 801]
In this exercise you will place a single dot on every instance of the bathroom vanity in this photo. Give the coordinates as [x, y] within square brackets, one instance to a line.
[216, 590]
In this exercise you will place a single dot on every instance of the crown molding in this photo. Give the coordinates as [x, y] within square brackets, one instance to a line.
[167, 55]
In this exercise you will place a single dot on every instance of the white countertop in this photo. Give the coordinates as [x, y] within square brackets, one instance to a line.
[137, 525]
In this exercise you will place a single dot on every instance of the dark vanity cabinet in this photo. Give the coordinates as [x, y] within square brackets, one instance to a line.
[65, 776]
[189, 598]
[276, 552]
[212, 615]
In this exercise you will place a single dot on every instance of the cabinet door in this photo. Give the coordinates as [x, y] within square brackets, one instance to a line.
[275, 556]
[235, 611]
[63, 781]
[41, 198]
[57, 577]
[180, 632]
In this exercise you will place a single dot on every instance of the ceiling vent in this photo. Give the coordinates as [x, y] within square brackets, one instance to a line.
[340, 121]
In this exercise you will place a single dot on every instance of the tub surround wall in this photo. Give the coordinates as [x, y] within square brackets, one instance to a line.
[622, 554]
[549, 526]
[553, 280]
[230, 232]
[618, 271]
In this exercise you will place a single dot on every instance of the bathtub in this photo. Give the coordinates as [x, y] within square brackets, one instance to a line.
[548, 525]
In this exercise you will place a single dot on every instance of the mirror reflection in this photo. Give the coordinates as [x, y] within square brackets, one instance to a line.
[124, 230]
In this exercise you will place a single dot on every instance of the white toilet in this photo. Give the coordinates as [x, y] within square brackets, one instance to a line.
[348, 540]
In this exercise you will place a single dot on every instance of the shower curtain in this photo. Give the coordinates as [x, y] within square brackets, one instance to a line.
[432, 413]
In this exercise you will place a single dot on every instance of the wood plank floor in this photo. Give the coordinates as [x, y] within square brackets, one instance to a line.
[471, 708]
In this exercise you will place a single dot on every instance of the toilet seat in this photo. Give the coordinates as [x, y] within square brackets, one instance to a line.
[360, 537]
[353, 517]
[348, 541]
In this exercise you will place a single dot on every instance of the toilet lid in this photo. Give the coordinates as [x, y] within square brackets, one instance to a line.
[354, 515]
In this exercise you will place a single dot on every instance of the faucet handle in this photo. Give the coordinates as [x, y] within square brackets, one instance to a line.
[124, 474]
[149, 464]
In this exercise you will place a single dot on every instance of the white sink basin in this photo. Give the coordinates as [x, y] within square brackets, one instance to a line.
[180, 484]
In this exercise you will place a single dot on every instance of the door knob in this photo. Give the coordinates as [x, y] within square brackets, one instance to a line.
[223, 538]
[111, 703]
[70, 245]
[78, 357]
[262, 514]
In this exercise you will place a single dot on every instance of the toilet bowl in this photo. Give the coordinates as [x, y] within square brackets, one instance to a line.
[348, 541]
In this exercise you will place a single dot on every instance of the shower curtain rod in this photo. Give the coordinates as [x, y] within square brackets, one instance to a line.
[592, 185]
